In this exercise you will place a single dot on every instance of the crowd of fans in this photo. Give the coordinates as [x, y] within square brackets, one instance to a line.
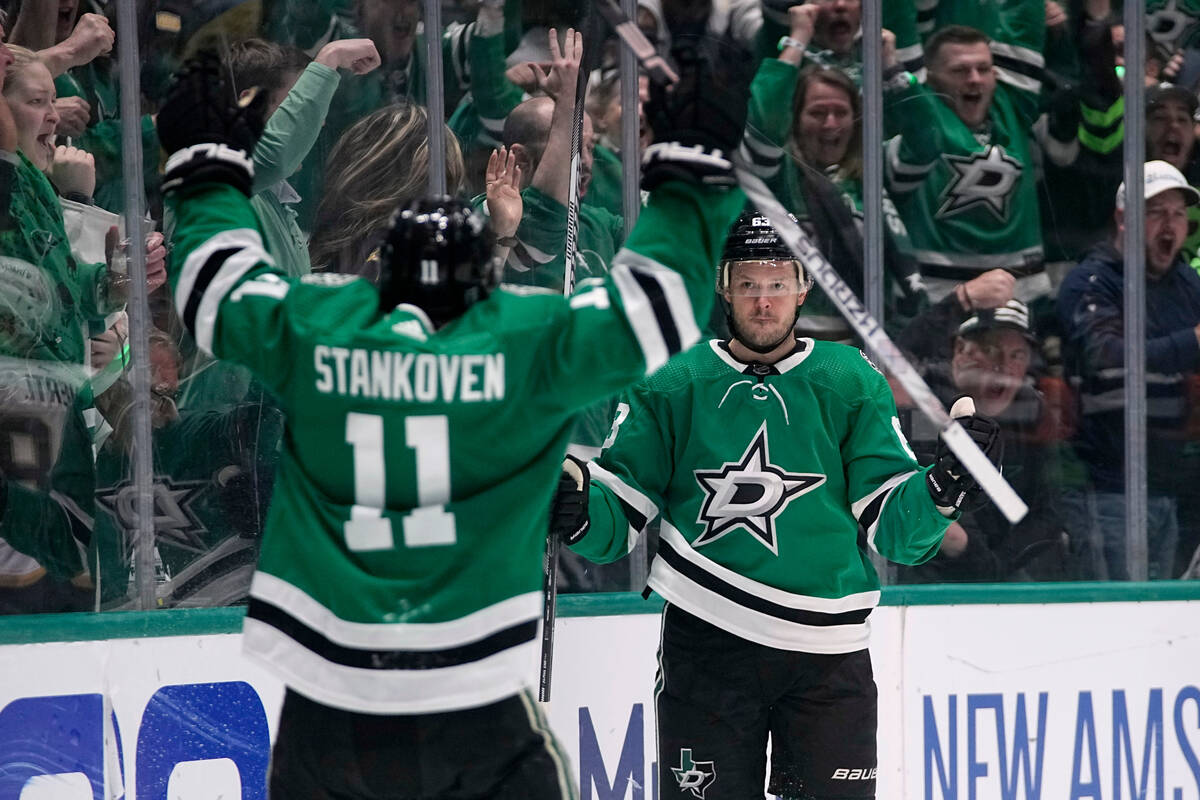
[1003, 210]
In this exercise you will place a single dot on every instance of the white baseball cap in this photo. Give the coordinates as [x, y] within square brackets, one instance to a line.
[1159, 176]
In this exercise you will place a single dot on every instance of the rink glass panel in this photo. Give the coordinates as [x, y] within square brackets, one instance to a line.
[216, 432]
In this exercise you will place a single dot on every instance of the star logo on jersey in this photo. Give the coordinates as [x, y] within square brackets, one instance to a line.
[750, 493]
[694, 776]
[175, 523]
[982, 179]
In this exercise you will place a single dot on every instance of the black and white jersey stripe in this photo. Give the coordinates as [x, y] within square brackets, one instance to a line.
[903, 176]
[755, 611]
[209, 273]
[657, 305]
[869, 509]
[1018, 66]
[396, 668]
[638, 509]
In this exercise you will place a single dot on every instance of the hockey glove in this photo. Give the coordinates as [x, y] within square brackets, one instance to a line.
[950, 485]
[699, 121]
[569, 511]
[209, 135]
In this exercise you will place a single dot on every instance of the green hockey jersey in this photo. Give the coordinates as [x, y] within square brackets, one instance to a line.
[400, 567]
[773, 482]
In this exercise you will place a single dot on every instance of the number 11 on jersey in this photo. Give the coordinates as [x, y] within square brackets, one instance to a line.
[430, 523]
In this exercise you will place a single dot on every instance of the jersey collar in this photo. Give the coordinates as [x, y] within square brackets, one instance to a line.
[419, 317]
[803, 350]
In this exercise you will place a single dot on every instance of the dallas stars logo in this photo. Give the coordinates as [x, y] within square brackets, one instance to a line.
[981, 179]
[694, 776]
[750, 494]
[175, 523]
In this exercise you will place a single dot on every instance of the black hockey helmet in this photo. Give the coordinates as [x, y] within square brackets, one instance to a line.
[752, 238]
[438, 257]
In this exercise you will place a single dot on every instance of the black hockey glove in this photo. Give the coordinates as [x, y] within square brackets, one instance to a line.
[569, 511]
[699, 121]
[950, 485]
[209, 135]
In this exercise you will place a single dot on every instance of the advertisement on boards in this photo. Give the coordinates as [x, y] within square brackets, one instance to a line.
[1053, 702]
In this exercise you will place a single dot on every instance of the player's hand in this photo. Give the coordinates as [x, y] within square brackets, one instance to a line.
[569, 521]
[950, 485]
[357, 55]
[208, 133]
[698, 122]
[73, 171]
[92, 37]
[503, 182]
[560, 81]
[73, 115]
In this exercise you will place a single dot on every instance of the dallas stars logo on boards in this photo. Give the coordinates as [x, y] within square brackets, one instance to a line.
[982, 179]
[694, 776]
[750, 494]
[175, 523]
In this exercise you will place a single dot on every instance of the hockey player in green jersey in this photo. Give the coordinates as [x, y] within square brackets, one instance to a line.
[399, 580]
[775, 464]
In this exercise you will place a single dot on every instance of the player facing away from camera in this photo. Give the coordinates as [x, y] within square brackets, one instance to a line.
[776, 464]
[398, 589]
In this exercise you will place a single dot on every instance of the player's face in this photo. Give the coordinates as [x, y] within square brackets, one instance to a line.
[31, 96]
[392, 25]
[1169, 134]
[1166, 230]
[764, 298]
[826, 123]
[964, 76]
[837, 24]
[991, 368]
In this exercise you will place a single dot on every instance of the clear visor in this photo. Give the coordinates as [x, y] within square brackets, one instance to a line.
[761, 278]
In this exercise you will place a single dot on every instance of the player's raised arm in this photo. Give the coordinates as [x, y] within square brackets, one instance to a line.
[208, 181]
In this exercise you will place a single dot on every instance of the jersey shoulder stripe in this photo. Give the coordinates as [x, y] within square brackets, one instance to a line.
[655, 301]
[209, 273]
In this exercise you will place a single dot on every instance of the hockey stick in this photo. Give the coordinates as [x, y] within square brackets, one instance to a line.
[655, 65]
[874, 337]
[592, 49]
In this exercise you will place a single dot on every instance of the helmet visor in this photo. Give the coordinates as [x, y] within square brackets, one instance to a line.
[762, 278]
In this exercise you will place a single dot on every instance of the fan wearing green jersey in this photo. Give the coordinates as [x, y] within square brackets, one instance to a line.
[960, 170]
[775, 465]
[399, 580]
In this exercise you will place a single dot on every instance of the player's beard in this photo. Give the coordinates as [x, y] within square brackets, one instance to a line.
[757, 342]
